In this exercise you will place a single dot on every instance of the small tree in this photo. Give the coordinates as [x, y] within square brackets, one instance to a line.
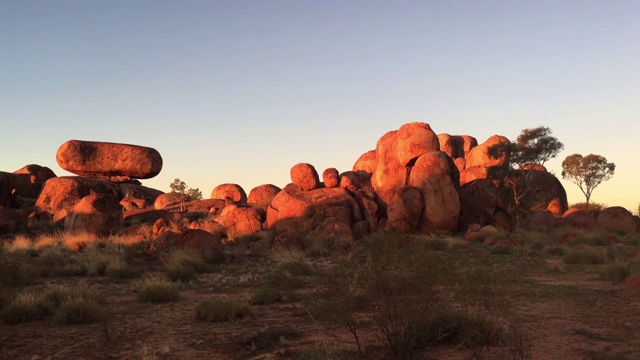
[587, 172]
[179, 191]
[533, 146]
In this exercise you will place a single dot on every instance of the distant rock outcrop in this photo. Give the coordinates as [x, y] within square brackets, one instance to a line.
[617, 219]
[263, 195]
[305, 176]
[109, 160]
[233, 191]
[95, 213]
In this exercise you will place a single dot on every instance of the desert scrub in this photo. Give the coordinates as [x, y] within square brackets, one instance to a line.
[183, 265]
[215, 310]
[157, 290]
[615, 273]
[271, 338]
[290, 270]
[79, 311]
[25, 307]
[556, 250]
[267, 296]
[15, 268]
[584, 255]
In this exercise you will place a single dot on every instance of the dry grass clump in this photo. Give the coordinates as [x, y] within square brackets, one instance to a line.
[15, 269]
[267, 296]
[184, 265]
[615, 273]
[25, 307]
[68, 306]
[216, 310]
[584, 255]
[157, 290]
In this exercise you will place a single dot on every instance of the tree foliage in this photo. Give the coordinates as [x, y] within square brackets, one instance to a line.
[535, 146]
[587, 172]
[180, 192]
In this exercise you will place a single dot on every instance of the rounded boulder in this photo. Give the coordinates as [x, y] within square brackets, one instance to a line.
[305, 176]
[110, 160]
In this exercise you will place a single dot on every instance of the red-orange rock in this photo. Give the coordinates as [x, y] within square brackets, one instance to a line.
[95, 213]
[431, 174]
[31, 180]
[480, 204]
[234, 191]
[61, 193]
[162, 201]
[617, 219]
[389, 175]
[353, 181]
[240, 221]
[405, 210]
[470, 174]
[331, 177]
[461, 165]
[479, 155]
[367, 162]
[538, 219]
[305, 176]
[321, 212]
[263, 195]
[205, 243]
[142, 196]
[104, 159]
[579, 218]
[413, 140]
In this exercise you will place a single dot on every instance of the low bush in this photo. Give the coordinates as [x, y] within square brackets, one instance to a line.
[585, 255]
[214, 310]
[25, 307]
[616, 273]
[271, 338]
[157, 290]
[79, 311]
[184, 265]
[267, 296]
[15, 269]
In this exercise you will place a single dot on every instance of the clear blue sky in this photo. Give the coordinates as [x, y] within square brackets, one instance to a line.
[239, 91]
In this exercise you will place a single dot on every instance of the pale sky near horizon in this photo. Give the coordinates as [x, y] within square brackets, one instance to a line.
[239, 91]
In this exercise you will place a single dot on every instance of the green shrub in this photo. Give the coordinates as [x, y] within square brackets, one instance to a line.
[181, 272]
[436, 244]
[79, 311]
[119, 269]
[213, 310]
[556, 250]
[267, 296]
[502, 249]
[157, 290]
[15, 269]
[616, 273]
[584, 255]
[25, 307]
[271, 338]
[589, 240]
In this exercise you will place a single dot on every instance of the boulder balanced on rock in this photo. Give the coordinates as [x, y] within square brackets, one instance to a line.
[109, 160]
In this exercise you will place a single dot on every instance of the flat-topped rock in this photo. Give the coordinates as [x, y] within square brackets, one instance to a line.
[109, 160]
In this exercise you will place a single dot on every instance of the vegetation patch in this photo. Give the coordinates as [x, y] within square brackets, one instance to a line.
[157, 290]
[216, 310]
[584, 255]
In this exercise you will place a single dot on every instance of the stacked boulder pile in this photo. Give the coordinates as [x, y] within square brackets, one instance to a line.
[414, 181]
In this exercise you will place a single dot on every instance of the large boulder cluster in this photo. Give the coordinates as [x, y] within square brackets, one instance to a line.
[414, 181]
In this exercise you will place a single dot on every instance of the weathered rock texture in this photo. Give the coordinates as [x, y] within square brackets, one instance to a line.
[262, 195]
[96, 213]
[331, 178]
[324, 213]
[233, 191]
[305, 176]
[30, 179]
[63, 192]
[109, 160]
[617, 219]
